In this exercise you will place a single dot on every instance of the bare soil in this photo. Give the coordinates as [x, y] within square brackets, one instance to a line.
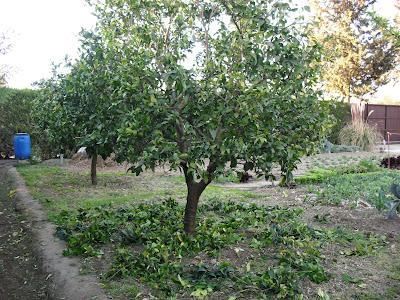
[21, 273]
[374, 271]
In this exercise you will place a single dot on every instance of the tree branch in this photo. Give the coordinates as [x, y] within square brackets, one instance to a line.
[233, 17]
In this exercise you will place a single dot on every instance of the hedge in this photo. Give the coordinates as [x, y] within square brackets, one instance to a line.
[16, 116]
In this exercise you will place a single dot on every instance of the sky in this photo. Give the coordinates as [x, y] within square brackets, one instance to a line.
[43, 32]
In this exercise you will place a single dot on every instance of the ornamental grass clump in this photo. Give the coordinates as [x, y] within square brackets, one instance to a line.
[359, 133]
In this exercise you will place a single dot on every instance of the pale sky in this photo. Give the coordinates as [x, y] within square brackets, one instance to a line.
[45, 31]
[42, 32]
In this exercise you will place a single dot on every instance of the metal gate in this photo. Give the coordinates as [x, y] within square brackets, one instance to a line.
[386, 118]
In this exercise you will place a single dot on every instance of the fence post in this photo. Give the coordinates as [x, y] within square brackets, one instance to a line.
[388, 151]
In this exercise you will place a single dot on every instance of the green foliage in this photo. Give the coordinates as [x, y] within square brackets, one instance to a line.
[344, 148]
[78, 108]
[4, 92]
[229, 177]
[316, 175]
[162, 247]
[240, 101]
[53, 118]
[328, 147]
[364, 166]
[360, 134]
[137, 88]
[15, 107]
[360, 49]
[350, 279]
[357, 244]
[150, 245]
[16, 116]
[323, 295]
[373, 187]
[342, 115]
[319, 175]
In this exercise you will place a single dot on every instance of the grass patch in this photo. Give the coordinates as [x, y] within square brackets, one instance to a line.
[319, 175]
[59, 189]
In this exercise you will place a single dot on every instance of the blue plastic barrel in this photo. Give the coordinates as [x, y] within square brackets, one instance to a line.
[22, 146]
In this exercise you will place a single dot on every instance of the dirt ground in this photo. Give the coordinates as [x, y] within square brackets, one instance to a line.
[378, 273]
[375, 272]
[21, 275]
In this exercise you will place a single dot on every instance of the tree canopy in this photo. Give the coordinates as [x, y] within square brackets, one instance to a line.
[200, 86]
[211, 84]
[360, 49]
[5, 45]
[82, 103]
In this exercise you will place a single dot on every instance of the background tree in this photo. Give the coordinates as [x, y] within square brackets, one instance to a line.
[83, 106]
[5, 45]
[53, 117]
[359, 55]
[397, 17]
[211, 84]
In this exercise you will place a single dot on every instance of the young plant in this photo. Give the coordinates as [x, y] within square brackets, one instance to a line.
[394, 205]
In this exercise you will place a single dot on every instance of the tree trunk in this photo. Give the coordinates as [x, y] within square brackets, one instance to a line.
[194, 191]
[349, 95]
[93, 169]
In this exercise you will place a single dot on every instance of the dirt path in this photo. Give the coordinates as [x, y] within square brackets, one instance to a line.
[21, 275]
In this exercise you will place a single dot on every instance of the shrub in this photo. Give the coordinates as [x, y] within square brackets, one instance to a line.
[328, 147]
[16, 107]
[360, 134]
[344, 148]
[341, 112]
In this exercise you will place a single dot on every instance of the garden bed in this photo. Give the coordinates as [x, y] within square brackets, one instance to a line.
[269, 242]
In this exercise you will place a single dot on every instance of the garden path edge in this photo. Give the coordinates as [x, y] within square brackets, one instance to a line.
[68, 283]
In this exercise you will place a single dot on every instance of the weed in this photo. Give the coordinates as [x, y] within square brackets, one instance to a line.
[350, 279]
[323, 219]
